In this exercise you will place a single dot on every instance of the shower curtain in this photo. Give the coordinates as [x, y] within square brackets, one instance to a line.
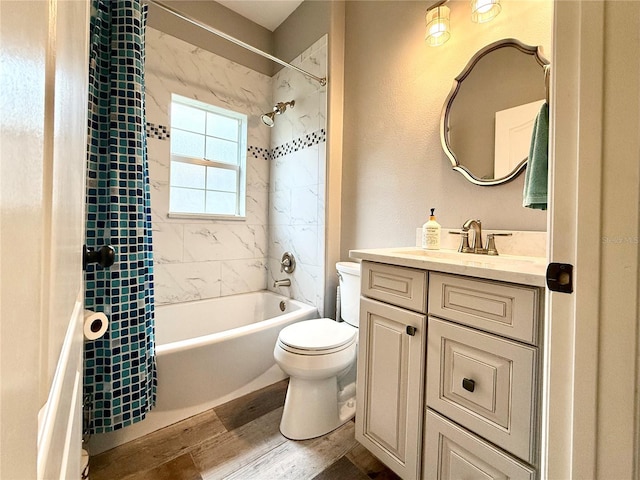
[120, 369]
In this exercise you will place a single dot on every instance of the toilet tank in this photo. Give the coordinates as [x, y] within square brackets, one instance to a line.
[349, 275]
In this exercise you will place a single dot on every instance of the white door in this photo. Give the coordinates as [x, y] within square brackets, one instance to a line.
[591, 423]
[43, 94]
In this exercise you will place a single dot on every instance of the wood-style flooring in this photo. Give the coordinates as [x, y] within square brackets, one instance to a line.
[239, 440]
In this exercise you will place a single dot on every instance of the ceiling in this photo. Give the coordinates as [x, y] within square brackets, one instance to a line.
[268, 13]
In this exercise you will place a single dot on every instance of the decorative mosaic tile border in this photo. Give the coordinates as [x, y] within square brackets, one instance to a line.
[259, 152]
[162, 132]
[301, 143]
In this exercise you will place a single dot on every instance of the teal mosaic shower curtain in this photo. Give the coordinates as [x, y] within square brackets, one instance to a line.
[120, 368]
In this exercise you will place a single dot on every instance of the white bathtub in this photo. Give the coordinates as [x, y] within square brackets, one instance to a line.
[209, 352]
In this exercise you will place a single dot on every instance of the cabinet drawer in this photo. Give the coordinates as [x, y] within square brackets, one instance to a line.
[484, 383]
[452, 453]
[401, 286]
[508, 310]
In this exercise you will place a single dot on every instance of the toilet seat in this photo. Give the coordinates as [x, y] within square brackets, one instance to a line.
[321, 336]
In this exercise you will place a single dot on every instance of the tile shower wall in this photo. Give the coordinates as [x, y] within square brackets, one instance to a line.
[202, 258]
[297, 178]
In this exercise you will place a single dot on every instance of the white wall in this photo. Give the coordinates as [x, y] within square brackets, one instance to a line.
[197, 259]
[297, 185]
[395, 85]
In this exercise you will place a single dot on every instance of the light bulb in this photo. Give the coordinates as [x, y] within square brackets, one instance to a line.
[438, 30]
[484, 10]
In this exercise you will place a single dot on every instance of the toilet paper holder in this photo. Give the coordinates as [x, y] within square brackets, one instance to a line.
[105, 256]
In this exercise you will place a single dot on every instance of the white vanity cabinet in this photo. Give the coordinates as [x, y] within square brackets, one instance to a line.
[449, 363]
[391, 365]
[482, 379]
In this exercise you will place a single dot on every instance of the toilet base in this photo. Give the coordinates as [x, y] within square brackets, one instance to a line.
[315, 407]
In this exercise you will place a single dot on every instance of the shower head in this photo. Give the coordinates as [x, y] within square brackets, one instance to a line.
[269, 118]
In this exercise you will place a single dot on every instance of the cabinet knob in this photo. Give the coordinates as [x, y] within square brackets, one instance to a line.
[411, 330]
[468, 384]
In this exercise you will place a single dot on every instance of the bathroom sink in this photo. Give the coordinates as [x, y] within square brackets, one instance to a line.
[508, 261]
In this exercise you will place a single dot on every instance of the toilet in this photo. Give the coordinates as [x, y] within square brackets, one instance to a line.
[320, 358]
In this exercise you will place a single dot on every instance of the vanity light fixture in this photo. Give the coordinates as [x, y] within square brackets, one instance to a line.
[484, 10]
[438, 25]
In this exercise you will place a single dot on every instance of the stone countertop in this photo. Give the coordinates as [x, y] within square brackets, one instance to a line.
[506, 268]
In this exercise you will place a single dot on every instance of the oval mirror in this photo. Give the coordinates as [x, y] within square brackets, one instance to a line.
[488, 117]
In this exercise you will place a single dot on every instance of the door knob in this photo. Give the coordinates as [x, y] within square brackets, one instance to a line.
[105, 256]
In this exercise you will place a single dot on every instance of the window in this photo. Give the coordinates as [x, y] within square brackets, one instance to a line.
[208, 159]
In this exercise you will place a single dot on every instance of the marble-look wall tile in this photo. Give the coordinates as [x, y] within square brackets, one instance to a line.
[280, 207]
[301, 240]
[309, 113]
[321, 215]
[303, 167]
[159, 190]
[204, 242]
[304, 239]
[281, 175]
[202, 75]
[305, 202]
[257, 206]
[168, 242]
[158, 155]
[184, 282]
[242, 276]
[322, 164]
[257, 174]
[297, 179]
[199, 257]
[307, 167]
[280, 241]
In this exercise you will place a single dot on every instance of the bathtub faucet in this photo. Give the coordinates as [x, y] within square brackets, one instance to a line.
[282, 283]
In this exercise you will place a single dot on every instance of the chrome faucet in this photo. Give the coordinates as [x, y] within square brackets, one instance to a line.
[286, 282]
[476, 246]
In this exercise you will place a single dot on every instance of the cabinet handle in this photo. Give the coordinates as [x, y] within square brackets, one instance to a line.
[468, 384]
[411, 330]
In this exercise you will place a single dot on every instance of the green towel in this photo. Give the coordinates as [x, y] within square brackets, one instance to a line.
[535, 178]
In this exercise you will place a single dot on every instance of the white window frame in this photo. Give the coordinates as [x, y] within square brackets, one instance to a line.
[240, 167]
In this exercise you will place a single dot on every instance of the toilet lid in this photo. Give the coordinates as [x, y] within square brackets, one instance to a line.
[318, 334]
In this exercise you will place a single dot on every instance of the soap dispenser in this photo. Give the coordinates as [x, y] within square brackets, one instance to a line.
[431, 233]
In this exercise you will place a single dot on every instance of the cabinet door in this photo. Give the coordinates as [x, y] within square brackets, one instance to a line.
[391, 359]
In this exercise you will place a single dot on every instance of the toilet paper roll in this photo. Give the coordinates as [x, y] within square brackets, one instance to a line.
[95, 324]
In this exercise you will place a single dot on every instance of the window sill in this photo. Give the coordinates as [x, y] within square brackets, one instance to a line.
[207, 216]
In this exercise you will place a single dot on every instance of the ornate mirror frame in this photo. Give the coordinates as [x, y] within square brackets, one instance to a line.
[535, 51]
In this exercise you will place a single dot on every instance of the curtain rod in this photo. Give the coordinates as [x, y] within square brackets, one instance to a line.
[322, 81]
